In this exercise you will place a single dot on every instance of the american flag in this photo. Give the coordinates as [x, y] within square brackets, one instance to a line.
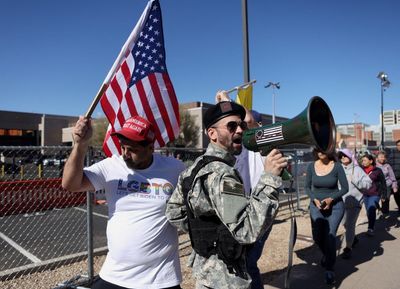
[139, 84]
[271, 134]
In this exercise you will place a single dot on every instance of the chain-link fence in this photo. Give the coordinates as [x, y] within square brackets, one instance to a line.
[44, 227]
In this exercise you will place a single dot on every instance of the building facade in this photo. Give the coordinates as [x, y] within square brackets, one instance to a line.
[33, 129]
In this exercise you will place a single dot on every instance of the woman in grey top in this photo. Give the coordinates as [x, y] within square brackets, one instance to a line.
[357, 180]
[326, 205]
[391, 182]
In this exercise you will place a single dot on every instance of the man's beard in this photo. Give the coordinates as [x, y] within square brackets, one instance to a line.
[231, 144]
[130, 163]
[138, 165]
[237, 140]
[237, 152]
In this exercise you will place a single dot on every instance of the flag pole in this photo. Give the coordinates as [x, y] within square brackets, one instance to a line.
[96, 100]
[241, 86]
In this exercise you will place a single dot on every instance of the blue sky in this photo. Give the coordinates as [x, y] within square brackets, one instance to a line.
[54, 55]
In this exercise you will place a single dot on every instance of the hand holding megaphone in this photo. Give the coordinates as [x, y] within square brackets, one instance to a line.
[275, 162]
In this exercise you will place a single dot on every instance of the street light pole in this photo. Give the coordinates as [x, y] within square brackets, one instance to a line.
[385, 83]
[382, 125]
[246, 66]
[355, 131]
[274, 86]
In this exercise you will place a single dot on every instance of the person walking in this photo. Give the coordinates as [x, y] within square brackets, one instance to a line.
[326, 205]
[210, 202]
[357, 180]
[391, 182]
[374, 193]
[395, 163]
[142, 245]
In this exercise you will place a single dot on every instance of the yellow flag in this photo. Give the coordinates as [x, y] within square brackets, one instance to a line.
[245, 96]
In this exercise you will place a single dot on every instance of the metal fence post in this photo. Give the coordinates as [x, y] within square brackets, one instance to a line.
[89, 217]
[296, 171]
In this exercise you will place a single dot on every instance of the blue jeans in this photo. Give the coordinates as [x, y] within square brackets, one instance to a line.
[371, 203]
[324, 224]
[254, 252]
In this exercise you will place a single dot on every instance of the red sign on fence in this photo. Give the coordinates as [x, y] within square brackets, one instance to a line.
[17, 197]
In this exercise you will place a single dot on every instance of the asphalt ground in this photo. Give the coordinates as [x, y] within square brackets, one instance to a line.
[37, 237]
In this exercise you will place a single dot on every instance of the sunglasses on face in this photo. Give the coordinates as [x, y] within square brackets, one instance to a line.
[233, 125]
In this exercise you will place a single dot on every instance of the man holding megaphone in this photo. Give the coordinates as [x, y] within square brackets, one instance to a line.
[210, 202]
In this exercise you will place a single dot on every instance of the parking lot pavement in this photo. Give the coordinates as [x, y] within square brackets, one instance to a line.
[34, 238]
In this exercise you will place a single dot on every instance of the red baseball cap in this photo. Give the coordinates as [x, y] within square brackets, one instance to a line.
[137, 128]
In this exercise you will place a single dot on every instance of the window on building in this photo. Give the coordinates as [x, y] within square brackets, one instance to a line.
[15, 132]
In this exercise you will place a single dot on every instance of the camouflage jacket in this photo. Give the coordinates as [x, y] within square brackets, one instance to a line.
[246, 218]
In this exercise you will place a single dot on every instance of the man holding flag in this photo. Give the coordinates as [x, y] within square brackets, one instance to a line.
[140, 104]
[142, 245]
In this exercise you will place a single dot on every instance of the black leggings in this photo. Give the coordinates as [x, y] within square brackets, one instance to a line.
[102, 284]
[385, 204]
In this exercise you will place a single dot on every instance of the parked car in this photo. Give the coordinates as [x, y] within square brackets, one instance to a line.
[38, 160]
[26, 160]
[53, 162]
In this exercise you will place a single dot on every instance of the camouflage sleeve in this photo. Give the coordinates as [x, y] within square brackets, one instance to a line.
[246, 218]
[176, 208]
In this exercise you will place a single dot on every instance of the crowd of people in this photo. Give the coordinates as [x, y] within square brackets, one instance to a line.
[226, 200]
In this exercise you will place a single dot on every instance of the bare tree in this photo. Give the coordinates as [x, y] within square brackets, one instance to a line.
[99, 131]
[188, 135]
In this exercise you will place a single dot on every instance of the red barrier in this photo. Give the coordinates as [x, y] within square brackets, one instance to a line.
[17, 197]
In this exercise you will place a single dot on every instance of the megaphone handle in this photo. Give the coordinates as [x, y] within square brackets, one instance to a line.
[285, 175]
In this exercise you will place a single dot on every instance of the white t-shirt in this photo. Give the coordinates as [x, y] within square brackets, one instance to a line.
[142, 245]
[250, 166]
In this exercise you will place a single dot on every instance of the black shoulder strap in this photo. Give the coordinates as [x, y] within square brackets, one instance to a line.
[188, 181]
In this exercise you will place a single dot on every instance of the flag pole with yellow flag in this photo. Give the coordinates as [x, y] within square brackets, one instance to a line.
[245, 96]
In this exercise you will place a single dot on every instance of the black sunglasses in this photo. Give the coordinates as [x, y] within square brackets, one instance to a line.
[233, 125]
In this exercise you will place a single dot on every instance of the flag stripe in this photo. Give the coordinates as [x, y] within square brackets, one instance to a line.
[107, 108]
[144, 98]
[172, 96]
[156, 114]
[173, 107]
[161, 106]
[130, 103]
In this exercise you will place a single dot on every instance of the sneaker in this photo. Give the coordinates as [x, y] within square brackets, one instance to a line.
[370, 232]
[355, 242]
[346, 253]
[330, 277]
